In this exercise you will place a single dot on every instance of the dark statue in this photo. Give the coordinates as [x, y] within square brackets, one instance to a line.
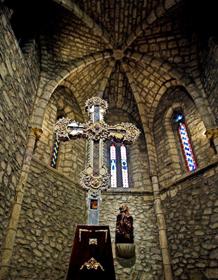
[124, 226]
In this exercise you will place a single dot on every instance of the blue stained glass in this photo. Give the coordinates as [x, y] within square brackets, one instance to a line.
[113, 164]
[186, 146]
[178, 117]
[124, 167]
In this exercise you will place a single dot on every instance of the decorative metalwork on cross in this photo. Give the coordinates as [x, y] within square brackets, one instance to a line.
[95, 177]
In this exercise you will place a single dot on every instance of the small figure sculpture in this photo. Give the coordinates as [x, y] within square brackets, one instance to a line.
[124, 226]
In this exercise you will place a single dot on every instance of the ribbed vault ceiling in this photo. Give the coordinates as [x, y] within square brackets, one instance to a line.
[118, 18]
[145, 27]
[152, 30]
[68, 37]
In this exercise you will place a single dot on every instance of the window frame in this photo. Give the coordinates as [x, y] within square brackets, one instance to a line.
[119, 173]
[180, 145]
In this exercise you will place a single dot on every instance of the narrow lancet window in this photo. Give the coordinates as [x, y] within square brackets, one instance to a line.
[54, 156]
[124, 167]
[119, 166]
[56, 147]
[113, 165]
[185, 142]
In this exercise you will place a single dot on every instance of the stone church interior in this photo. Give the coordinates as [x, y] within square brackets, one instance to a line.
[155, 64]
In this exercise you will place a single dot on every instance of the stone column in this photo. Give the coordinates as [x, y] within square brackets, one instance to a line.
[212, 135]
[162, 230]
[11, 230]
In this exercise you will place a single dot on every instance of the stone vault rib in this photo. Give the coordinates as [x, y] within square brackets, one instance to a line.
[156, 13]
[71, 6]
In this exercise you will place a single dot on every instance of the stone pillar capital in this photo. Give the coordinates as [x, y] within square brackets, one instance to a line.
[37, 132]
[212, 133]
[212, 136]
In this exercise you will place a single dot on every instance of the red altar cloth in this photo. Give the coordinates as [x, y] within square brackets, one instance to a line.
[92, 254]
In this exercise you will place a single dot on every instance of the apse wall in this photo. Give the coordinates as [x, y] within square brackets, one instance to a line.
[53, 204]
[18, 88]
[189, 198]
[171, 162]
[148, 260]
[191, 213]
[147, 263]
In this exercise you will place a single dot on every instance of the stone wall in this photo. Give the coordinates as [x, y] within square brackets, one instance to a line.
[148, 262]
[167, 143]
[53, 205]
[191, 212]
[31, 53]
[18, 89]
[210, 76]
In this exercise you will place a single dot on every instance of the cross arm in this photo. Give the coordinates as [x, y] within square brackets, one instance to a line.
[67, 129]
[124, 132]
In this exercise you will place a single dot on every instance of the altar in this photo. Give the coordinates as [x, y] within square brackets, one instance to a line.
[91, 256]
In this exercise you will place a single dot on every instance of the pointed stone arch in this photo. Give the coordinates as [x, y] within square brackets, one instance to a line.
[181, 78]
[47, 87]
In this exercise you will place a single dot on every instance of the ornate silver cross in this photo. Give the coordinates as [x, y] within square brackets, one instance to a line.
[95, 177]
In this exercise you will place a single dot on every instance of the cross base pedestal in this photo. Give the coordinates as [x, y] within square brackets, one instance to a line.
[92, 254]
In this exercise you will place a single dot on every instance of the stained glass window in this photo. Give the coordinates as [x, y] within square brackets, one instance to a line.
[185, 141]
[113, 165]
[54, 156]
[124, 167]
[118, 166]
